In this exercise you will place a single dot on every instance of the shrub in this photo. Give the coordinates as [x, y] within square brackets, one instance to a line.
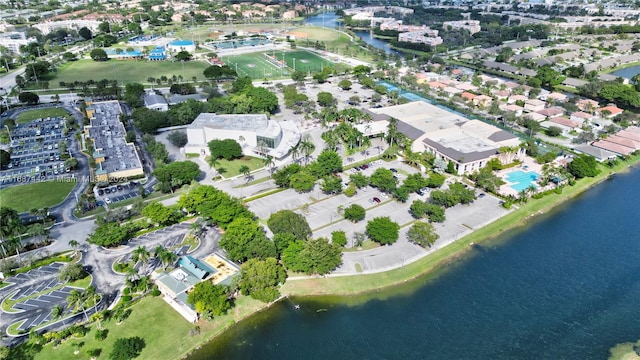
[126, 298]
[354, 213]
[339, 238]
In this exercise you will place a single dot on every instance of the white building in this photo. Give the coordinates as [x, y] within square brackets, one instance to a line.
[76, 24]
[472, 26]
[254, 132]
[429, 37]
[13, 41]
[156, 102]
[182, 45]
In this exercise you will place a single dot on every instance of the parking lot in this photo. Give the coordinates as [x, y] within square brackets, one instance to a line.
[35, 151]
[114, 193]
[41, 307]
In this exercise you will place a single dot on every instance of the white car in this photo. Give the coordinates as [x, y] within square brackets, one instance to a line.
[107, 200]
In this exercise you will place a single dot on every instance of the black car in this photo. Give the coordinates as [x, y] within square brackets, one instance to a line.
[107, 191]
[119, 187]
[393, 170]
[100, 192]
[420, 192]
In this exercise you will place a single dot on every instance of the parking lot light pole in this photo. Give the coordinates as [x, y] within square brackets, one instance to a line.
[8, 133]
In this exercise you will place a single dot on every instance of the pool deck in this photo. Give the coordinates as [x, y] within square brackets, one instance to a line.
[528, 164]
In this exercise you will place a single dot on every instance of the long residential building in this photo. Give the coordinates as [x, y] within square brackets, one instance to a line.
[13, 40]
[76, 24]
[429, 37]
[472, 26]
[115, 158]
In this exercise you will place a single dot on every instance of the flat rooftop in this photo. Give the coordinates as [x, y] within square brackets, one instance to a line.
[257, 123]
[419, 117]
[109, 138]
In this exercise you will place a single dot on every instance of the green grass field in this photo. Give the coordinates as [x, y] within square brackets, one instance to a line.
[232, 168]
[36, 195]
[30, 115]
[302, 60]
[255, 66]
[126, 70]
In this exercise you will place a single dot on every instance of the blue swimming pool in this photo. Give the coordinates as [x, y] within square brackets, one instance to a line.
[522, 179]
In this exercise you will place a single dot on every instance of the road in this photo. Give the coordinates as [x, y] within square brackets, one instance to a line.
[8, 81]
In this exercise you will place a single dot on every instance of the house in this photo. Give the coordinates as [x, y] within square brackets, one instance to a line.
[450, 91]
[483, 101]
[517, 110]
[582, 117]
[156, 102]
[437, 85]
[175, 99]
[587, 105]
[502, 94]
[551, 112]
[467, 96]
[534, 105]
[514, 98]
[609, 111]
[466, 87]
[535, 116]
[565, 122]
[556, 96]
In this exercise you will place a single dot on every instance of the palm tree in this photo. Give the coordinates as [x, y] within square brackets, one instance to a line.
[196, 228]
[141, 254]
[57, 311]
[168, 257]
[268, 162]
[244, 170]
[74, 299]
[158, 250]
[74, 244]
[307, 147]
[132, 275]
[295, 152]
[145, 283]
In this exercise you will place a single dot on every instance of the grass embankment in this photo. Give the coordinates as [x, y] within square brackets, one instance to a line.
[30, 115]
[519, 217]
[126, 70]
[232, 168]
[36, 195]
[164, 331]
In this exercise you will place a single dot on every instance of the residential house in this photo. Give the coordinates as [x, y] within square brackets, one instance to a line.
[467, 96]
[156, 102]
[587, 105]
[515, 98]
[482, 101]
[551, 112]
[534, 105]
[609, 111]
[581, 117]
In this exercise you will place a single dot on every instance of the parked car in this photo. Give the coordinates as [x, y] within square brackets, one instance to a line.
[107, 200]
[100, 192]
[420, 192]
[482, 195]
[376, 200]
[393, 170]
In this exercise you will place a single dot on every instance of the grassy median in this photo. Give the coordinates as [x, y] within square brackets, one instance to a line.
[36, 195]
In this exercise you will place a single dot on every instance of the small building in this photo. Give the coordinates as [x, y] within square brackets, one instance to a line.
[156, 102]
[609, 111]
[551, 112]
[157, 54]
[587, 105]
[582, 116]
[514, 98]
[467, 96]
[175, 99]
[534, 105]
[182, 45]
[517, 110]
[482, 101]
[556, 96]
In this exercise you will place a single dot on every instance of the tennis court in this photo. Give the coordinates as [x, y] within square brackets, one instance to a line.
[255, 66]
[302, 60]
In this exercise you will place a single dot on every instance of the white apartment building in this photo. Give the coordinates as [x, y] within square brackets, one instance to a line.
[49, 26]
[473, 26]
[428, 37]
[13, 41]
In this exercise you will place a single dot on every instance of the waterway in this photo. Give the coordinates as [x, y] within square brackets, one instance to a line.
[627, 73]
[329, 20]
[567, 286]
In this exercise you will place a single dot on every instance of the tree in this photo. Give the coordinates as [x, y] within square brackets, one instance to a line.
[178, 138]
[228, 149]
[345, 84]
[29, 98]
[583, 166]
[359, 179]
[287, 221]
[75, 245]
[72, 272]
[140, 254]
[109, 235]
[298, 76]
[99, 55]
[183, 172]
[160, 214]
[209, 298]
[133, 93]
[69, 56]
[384, 180]
[218, 72]
[291, 255]
[325, 99]
[302, 181]
[423, 234]
[319, 256]
[331, 185]
[260, 279]
[244, 239]
[127, 348]
[104, 27]
[244, 170]
[329, 162]
[339, 238]
[354, 213]
[383, 230]
[183, 56]
[5, 158]
[554, 131]
[262, 100]
[85, 33]
[282, 241]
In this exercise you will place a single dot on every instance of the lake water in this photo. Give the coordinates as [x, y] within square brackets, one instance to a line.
[328, 20]
[565, 287]
[627, 73]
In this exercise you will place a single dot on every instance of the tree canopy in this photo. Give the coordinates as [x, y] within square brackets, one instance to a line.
[382, 230]
[260, 279]
[423, 234]
[228, 149]
[287, 221]
[583, 166]
[127, 348]
[244, 239]
[354, 213]
[209, 299]
[99, 55]
[383, 179]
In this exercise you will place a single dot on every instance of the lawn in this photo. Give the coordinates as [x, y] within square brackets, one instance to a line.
[303, 60]
[30, 115]
[164, 331]
[255, 66]
[37, 195]
[232, 168]
[126, 70]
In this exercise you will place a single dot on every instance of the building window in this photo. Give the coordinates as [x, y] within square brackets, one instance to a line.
[266, 142]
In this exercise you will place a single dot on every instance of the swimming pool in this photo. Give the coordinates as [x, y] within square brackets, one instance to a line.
[522, 179]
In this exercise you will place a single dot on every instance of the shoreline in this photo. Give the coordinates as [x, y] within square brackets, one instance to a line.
[430, 264]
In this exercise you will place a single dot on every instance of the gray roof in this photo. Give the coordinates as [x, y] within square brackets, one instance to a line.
[462, 157]
[408, 130]
[501, 135]
[154, 99]
[574, 82]
[178, 99]
[257, 123]
[376, 116]
[600, 154]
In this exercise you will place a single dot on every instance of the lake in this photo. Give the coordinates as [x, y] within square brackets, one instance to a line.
[567, 286]
[627, 73]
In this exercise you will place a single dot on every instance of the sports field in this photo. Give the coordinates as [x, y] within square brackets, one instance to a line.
[255, 66]
[126, 70]
[302, 60]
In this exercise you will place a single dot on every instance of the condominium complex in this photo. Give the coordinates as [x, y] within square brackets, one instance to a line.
[13, 41]
[473, 26]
